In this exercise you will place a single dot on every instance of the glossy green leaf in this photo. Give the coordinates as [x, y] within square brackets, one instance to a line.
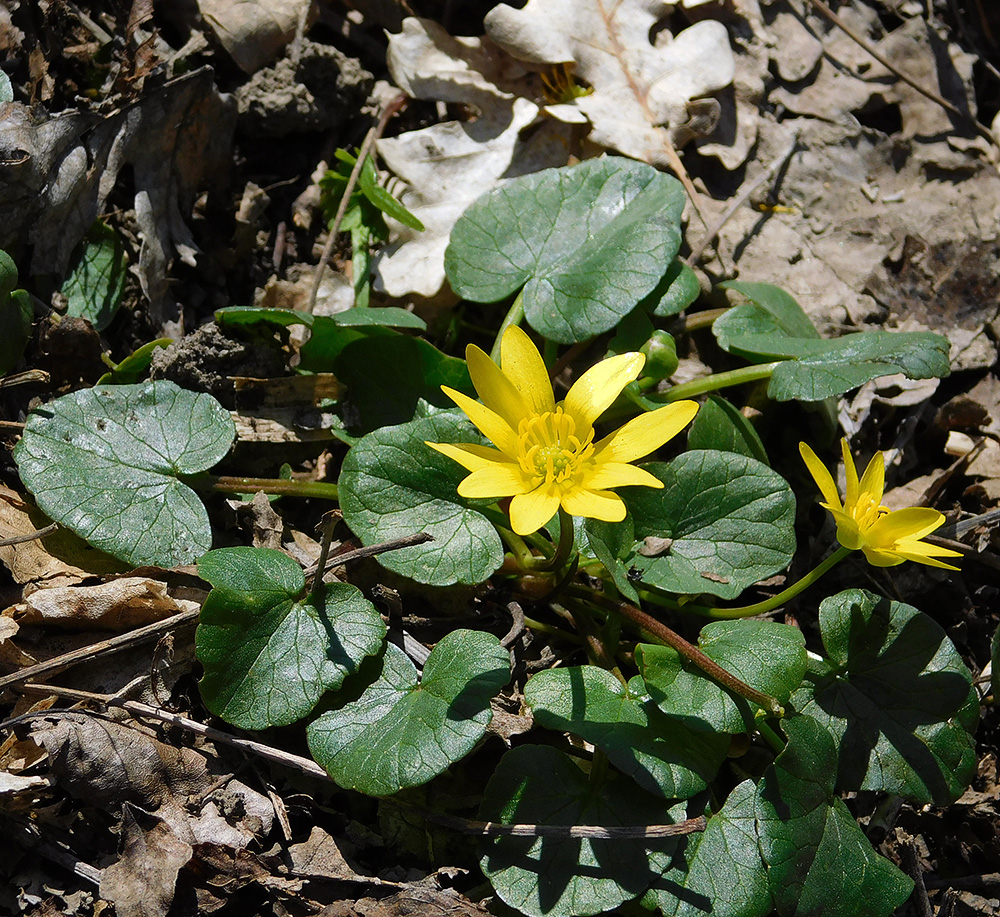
[773, 327]
[664, 755]
[96, 284]
[719, 425]
[721, 523]
[135, 366]
[387, 376]
[611, 543]
[399, 733]
[269, 652]
[897, 700]
[105, 462]
[586, 243]
[555, 876]
[16, 314]
[678, 289]
[768, 656]
[392, 484]
[819, 863]
[718, 871]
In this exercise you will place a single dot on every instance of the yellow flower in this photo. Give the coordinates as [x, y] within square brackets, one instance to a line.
[546, 456]
[887, 537]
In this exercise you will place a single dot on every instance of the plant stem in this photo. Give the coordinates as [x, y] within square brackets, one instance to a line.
[719, 380]
[565, 547]
[770, 736]
[513, 317]
[759, 608]
[238, 485]
[690, 652]
[328, 523]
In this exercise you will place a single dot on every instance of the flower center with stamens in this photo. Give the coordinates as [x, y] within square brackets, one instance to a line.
[549, 449]
[867, 511]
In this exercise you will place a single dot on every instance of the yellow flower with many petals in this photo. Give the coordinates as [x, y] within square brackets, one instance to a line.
[887, 537]
[545, 454]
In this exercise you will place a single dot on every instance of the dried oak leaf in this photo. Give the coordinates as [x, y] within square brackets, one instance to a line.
[648, 85]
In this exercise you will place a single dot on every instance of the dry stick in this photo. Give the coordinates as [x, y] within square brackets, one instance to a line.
[690, 652]
[30, 375]
[394, 106]
[310, 768]
[151, 631]
[981, 129]
[30, 536]
[740, 200]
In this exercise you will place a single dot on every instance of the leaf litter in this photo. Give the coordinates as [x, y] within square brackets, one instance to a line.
[883, 215]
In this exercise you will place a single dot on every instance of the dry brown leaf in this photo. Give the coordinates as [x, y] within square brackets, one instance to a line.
[118, 605]
[253, 32]
[58, 559]
[319, 856]
[73, 163]
[142, 882]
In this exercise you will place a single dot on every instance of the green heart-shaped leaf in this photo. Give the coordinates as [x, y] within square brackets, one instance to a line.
[586, 243]
[773, 326]
[105, 463]
[16, 314]
[720, 870]
[721, 523]
[557, 876]
[398, 733]
[94, 288]
[896, 697]
[768, 656]
[663, 754]
[392, 484]
[268, 651]
[719, 425]
[818, 860]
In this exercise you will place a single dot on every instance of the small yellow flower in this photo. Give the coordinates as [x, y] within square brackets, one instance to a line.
[887, 537]
[546, 456]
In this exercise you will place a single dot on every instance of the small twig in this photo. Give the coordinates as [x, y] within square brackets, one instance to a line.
[516, 627]
[29, 536]
[30, 375]
[103, 648]
[371, 550]
[912, 864]
[28, 834]
[981, 129]
[394, 106]
[494, 829]
[690, 652]
[740, 200]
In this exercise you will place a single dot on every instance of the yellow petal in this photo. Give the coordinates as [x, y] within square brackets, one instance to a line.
[497, 391]
[595, 504]
[911, 523]
[492, 425]
[530, 511]
[882, 558]
[922, 553]
[523, 365]
[469, 455]
[503, 479]
[873, 480]
[645, 433]
[822, 477]
[616, 474]
[851, 474]
[848, 532]
[594, 392]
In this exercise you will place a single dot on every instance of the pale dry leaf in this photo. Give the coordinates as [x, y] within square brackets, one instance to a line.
[252, 31]
[643, 86]
[142, 882]
[61, 558]
[319, 856]
[118, 605]
[447, 166]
